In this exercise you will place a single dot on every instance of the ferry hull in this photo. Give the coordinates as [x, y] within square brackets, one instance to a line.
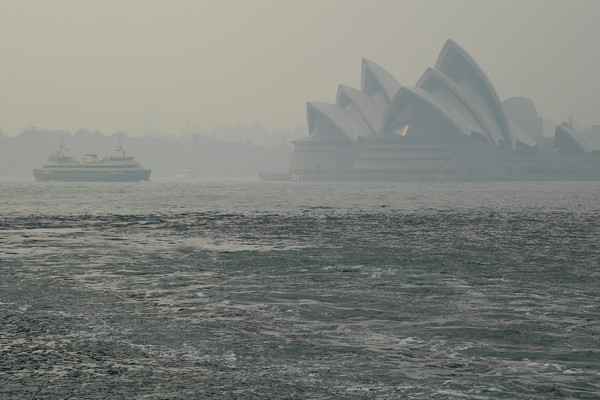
[91, 176]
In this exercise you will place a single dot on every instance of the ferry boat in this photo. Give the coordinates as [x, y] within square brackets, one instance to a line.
[116, 168]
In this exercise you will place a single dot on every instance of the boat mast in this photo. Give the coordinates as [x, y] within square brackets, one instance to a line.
[61, 150]
[120, 151]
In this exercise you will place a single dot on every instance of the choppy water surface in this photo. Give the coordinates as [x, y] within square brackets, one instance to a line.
[207, 289]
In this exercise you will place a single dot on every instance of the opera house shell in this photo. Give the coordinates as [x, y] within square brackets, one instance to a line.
[450, 126]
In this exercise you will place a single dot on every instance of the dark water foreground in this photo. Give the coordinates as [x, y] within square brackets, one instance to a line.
[299, 290]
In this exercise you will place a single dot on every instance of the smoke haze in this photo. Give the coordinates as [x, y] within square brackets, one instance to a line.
[147, 67]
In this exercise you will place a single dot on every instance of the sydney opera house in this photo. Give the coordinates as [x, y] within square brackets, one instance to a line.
[450, 126]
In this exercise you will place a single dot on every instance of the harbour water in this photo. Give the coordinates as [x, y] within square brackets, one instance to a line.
[247, 289]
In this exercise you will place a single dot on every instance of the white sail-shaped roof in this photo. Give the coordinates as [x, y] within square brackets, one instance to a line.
[522, 112]
[425, 114]
[462, 69]
[329, 122]
[444, 88]
[378, 84]
[362, 110]
[522, 141]
[569, 141]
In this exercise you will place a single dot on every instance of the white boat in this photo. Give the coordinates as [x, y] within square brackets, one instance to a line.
[117, 168]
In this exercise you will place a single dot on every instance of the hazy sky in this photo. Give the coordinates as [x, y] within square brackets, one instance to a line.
[147, 65]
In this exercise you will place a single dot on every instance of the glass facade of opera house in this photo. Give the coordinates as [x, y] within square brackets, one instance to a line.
[450, 126]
